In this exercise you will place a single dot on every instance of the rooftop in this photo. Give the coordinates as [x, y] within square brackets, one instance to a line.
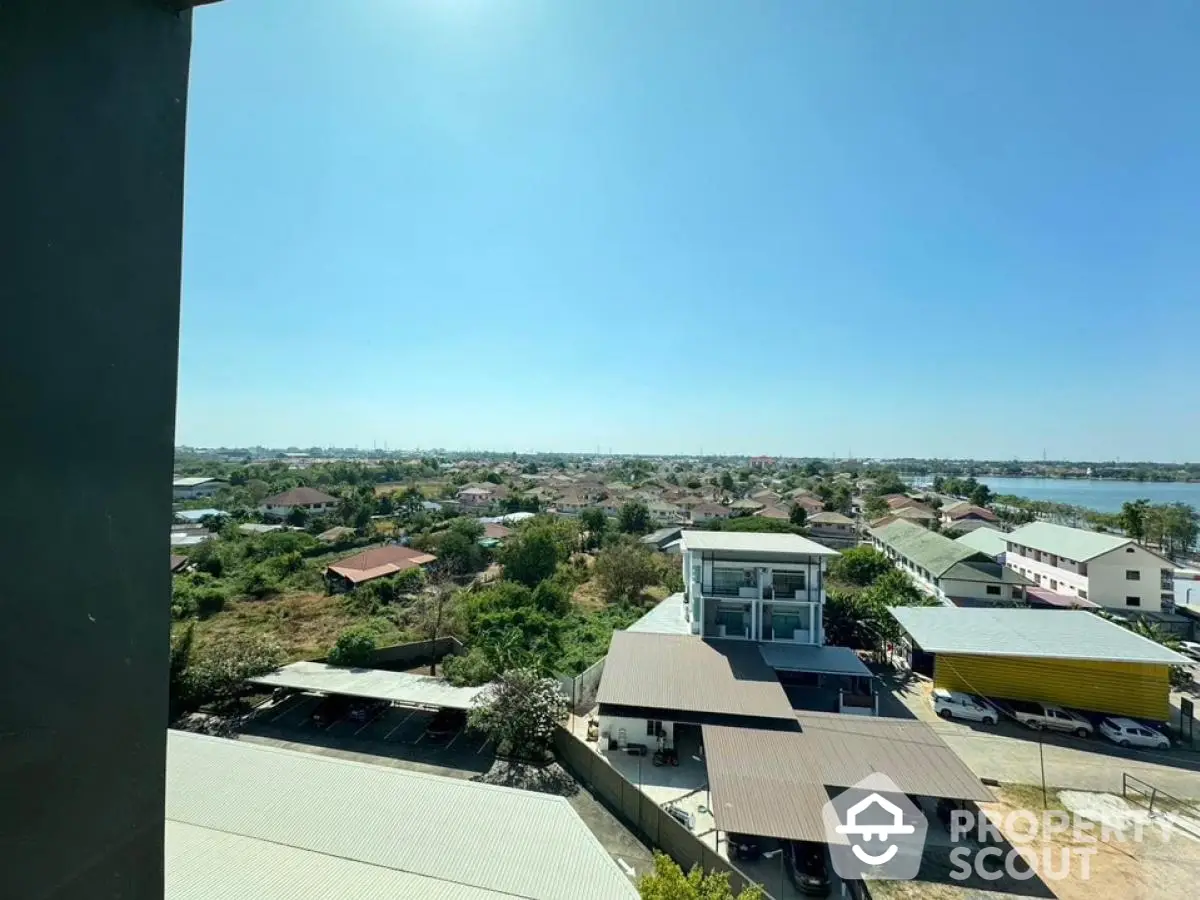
[1041, 633]
[1073, 543]
[925, 548]
[754, 542]
[686, 674]
[298, 496]
[379, 562]
[811, 658]
[262, 823]
[829, 518]
[775, 783]
[666, 617]
[371, 684]
[193, 481]
[985, 540]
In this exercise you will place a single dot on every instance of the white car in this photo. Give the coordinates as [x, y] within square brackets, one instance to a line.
[956, 705]
[1129, 733]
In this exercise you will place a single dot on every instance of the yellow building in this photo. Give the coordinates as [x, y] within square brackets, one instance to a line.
[1071, 658]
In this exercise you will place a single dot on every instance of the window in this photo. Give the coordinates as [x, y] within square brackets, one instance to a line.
[1053, 585]
[1083, 593]
[653, 728]
[1133, 601]
[993, 589]
[1133, 575]
[1016, 592]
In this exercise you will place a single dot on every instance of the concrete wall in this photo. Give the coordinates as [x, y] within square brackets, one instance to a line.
[404, 656]
[581, 689]
[91, 217]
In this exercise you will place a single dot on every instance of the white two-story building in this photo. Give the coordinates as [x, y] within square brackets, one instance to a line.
[1110, 570]
[753, 586]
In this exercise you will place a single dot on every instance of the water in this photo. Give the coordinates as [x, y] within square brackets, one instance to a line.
[1105, 496]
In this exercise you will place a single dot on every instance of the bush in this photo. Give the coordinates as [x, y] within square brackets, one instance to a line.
[625, 569]
[209, 601]
[354, 647]
[519, 711]
[468, 670]
[260, 582]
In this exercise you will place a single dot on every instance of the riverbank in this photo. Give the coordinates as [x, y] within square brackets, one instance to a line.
[1096, 494]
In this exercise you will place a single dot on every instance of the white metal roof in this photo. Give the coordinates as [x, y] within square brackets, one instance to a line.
[1045, 633]
[193, 481]
[250, 822]
[373, 684]
[753, 542]
[666, 617]
[1074, 543]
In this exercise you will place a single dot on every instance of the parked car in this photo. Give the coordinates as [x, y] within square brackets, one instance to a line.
[446, 722]
[1055, 718]
[807, 867]
[745, 846]
[365, 710]
[1128, 733]
[957, 705]
[329, 710]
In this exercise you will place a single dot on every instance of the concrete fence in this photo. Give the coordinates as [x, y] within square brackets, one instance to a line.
[581, 689]
[639, 813]
[415, 653]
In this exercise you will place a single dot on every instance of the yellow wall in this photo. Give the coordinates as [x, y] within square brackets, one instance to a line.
[1119, 688]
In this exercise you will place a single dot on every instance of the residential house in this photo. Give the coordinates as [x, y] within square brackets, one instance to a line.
[706, 512]
[494, 531]
[571, 504]
[751, 586]
[196, 516]
[746, 507]
[312, 501]
[952, 573]
[664, 513]
[378, 562]
[899, 501]
[1114, 571]
[986, 540]
[808, 502]
[665, 540]
[769, 497]
[773, 512]
[480, 494]
[189, 535]
[761, 462]
[335, 534]
[916, 514]
[960, 514]
[196, 488]
[832, 529]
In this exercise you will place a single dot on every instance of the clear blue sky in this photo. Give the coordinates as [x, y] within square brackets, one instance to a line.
[954, 229]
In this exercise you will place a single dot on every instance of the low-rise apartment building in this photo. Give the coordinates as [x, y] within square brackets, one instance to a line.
[1110, 570]
[951, 572]
[759, 587]
[312, 501]
[833, 529]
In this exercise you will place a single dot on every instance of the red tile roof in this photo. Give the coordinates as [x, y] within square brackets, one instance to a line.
[379, 562]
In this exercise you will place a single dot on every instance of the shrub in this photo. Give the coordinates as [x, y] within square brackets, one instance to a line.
[209, 601]
[625, 569]
[468, 670]
[354, 647]
[519, 711]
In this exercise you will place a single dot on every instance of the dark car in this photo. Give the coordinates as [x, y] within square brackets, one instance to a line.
[807, 867]
[330, 710]
[365, 710]
[745, 846]
[446, 722]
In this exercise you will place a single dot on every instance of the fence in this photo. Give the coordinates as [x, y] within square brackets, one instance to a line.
[639, 813]
[416, 653]
[1152, 795]
[581, 689]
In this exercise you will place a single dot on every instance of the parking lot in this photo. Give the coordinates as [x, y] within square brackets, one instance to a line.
[394, 731]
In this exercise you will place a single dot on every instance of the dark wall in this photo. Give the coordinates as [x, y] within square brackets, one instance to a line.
[93, 95]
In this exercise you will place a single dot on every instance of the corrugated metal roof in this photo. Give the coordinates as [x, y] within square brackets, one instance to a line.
[1050, 634]
[666, 617]
[685, 673]
[248, 822]
[810, 658]
[985, 540]
[754, 542]
[775, 783]
[923, 547]
[1073, 543]
[373, 684]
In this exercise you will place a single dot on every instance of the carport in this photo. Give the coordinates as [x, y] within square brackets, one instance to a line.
[403, 688]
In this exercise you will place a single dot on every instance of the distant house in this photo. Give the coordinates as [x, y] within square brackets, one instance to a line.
[761, 462]
[767, 496]
[773, 512]
[495, 531]
[808, 503]
[258, 528]
[899, 501]
[745, 507]
[196, 488]
[335, 534]
[664, 513]
[311, 500]
[706, 512]
[960, 513]
[832, 529]
[178, 563]
[378, 562]
[195, 516]
[481, 494]
[916, 514]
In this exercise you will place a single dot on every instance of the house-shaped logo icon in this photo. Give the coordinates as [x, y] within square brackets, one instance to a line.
[874, 830]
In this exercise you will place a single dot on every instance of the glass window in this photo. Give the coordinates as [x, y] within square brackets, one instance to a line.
[787, 583]
[1133, 575]
[1133, 601]
[993, 589]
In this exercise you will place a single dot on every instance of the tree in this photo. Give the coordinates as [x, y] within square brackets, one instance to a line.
[520, 711]
[727, 481]
[595, 523]
[459, 554]
[297, 516]
[798, 515]
[530, 556]
[667, 882]
[887, 482]
[860, 566]
[851, 620]
[354, 647]
[981, 495]
[219, 673]
[939, 483]
[181, 654]
[635, 517]
[624, 570]
[839, 497]
[876, 507]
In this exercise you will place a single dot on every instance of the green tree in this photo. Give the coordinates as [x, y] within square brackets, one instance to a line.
[297, 516]
[839, 498]
[354, 647]
[860, 566]
[727, 481]
[218, 673]
[595, 524]
[634, 518]
[625, 569]
[521, 637]
[667, 882]
[798, 515]
[875, 508]
[520, 711]
[530, 556]
[981, 495]
[459, 554]
[181, 654]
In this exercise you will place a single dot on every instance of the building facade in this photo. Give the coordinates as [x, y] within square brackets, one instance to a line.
[1112, 571]
[196, 488]
[312, 501]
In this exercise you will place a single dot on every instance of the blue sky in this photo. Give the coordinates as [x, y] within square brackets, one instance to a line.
[799, 228]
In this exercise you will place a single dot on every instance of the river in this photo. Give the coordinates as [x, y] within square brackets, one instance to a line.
[1105, 496]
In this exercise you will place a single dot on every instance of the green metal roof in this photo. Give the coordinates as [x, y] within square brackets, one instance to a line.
[1044, 633]
[1073, 543]
[926, 548]
[985, 540]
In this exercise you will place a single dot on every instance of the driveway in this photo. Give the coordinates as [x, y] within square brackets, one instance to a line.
[1012, 754]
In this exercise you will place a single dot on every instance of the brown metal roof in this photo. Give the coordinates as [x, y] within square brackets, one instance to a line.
[299, 496]
[178, 562]
[775, 782]
[685, 673]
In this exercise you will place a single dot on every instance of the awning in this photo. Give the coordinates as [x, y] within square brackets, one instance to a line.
[1045, 597]
[371, 684]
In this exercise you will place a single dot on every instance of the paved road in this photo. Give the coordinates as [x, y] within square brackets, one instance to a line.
[1010, 753]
